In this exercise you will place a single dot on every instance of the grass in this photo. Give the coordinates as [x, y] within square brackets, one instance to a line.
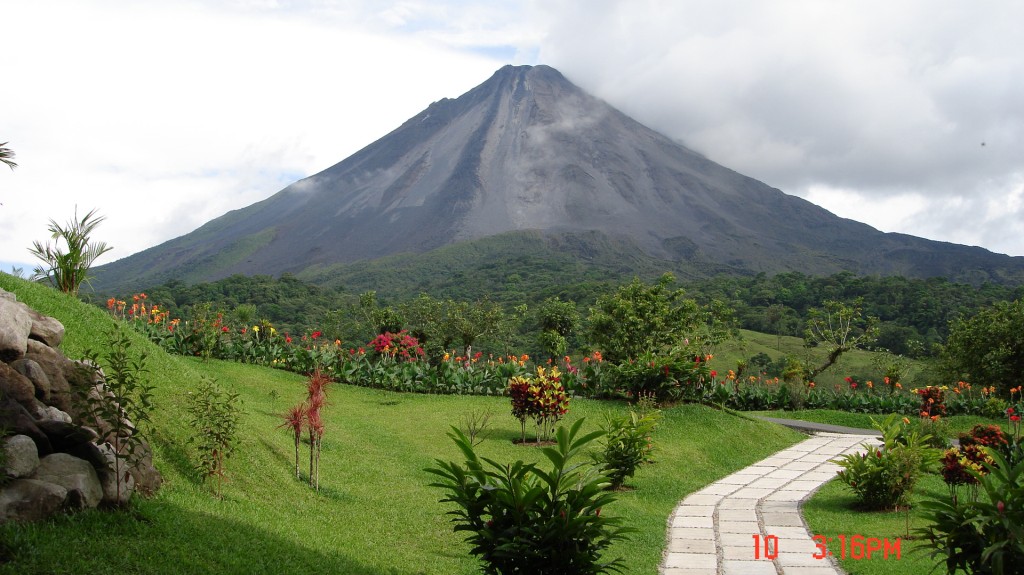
[375, 513]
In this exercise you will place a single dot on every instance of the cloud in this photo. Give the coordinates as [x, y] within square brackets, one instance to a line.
[885, 99]
[164, 116]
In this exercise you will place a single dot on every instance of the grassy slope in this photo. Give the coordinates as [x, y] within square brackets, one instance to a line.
[750, 343]
[375, 513]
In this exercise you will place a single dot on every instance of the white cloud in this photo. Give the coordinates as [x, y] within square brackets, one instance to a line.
[165, 115]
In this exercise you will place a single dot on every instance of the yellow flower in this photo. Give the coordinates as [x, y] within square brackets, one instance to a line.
[256, 329]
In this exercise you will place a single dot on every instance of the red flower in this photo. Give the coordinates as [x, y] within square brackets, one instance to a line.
[1015, 418]
[1010, 411]
[714, 374]
[224, 329]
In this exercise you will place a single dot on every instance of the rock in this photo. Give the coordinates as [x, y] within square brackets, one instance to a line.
[34, 372]
[44, 328]
[49, 413]
[65, 436]
[15, 385]
[19, 421]
[15, 326]
[54, 365]
[76, 475]
[30, 500]
[147, 478]
[20, 456]
[117, 481]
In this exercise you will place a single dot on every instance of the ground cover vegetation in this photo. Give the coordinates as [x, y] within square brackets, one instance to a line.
[650, 345]
[377, 443]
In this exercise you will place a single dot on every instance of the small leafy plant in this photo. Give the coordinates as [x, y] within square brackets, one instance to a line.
[884, 477]
[214, 416]
[985, 535]
[120, 403]
[523, 519]
[627, 444]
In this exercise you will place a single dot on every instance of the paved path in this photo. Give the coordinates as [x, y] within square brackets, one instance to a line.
[712, 531]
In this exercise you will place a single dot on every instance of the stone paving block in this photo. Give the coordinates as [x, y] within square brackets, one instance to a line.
[801, 465]
[718, 489]
[751, 493]
[781, 519]
[692, 546]
[769, 483]
[736, 503]
[739, 552]
[749, 527]
[789, 533]
[698, 510]
[737, 539]
[787, 495]
[788, 559]
[775, 461]
[692, 533]
[770, 506]
[803, 485]
[693, 521]
[737, 515]
[691, 560]
[748, 568]
[695, 571]
[702, 499]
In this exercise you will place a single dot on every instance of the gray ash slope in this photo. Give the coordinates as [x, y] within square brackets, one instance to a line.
[528, 150]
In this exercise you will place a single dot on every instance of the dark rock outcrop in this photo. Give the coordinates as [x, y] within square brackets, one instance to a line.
[54, 461]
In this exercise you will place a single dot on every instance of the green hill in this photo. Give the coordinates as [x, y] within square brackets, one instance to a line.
[374, 515]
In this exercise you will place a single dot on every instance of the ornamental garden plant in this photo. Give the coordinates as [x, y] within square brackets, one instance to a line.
[521, 518]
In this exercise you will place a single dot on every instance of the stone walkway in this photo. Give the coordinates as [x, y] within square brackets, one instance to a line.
[712, 531]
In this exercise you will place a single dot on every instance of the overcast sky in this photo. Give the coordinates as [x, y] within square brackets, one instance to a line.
[907, 116]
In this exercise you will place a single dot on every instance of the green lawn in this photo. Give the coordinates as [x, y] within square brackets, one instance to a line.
[374, 514]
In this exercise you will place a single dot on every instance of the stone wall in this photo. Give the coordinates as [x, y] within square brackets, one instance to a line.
[55, 459]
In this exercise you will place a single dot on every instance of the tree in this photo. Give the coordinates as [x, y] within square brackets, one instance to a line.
[6, 155]
[68, 270]
[558, 320]
[838, 328]
[642, 319]
[988, 349]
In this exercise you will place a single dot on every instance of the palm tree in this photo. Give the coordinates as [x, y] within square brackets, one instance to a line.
[6, 155]
[67, 271]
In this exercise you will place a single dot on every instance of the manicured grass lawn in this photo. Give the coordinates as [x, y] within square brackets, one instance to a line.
[375, 513]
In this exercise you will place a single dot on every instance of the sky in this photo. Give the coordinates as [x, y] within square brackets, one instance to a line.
[162, 115]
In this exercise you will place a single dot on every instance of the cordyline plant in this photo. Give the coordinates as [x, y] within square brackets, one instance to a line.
[295, 420]
[523, 519]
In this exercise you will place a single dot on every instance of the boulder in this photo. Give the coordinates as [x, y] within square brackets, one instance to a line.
[30, 500]
[76, 475]
[54, 365]
[20, 456]
[20, 422]
[117, 481]
[15, 327]
[44, 328]
[34, 372]
[64, 436]
[15, 385]
[147, 479]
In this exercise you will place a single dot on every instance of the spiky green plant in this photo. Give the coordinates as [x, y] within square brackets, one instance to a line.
[6, 155]
[68, 270]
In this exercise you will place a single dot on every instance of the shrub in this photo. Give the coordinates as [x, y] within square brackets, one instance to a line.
[522, 519]
[121, 405]
[982, 535]
[883, 477]
[214, 417]
[627, 444]
[541, 398]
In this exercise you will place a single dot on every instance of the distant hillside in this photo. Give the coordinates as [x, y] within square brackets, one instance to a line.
[528, 151]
